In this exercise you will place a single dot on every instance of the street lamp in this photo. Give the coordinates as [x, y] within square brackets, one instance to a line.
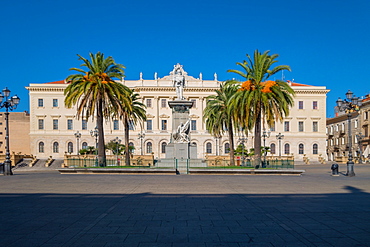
[117, 141]
[141, 137]
[349, 105]
[264, 136]
[359, 137]
[10, 103]
[95, 133]
[78, 136]
[279, 137]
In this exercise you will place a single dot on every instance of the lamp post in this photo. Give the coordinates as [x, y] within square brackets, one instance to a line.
[141, 137]
[9, 103]
[78, 136]
[279, 137]
[265, 134]
[359, 137]
[95, 133]
[349, 105]
[117, 141]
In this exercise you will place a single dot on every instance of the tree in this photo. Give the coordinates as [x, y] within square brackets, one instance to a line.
[133, 113]
[217, 114]
[259, 97]
[96, 93]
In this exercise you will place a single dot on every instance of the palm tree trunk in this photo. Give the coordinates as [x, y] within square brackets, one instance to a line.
[257, 138]
[231, 141]
[127, 139]
[101, 144]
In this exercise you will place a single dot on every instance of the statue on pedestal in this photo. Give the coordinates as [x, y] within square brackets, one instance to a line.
[182, 133]
[179, 82]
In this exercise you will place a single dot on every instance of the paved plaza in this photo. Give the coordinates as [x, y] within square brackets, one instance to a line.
[45, 208]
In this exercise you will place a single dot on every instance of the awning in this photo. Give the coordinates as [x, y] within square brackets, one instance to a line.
[366, 151]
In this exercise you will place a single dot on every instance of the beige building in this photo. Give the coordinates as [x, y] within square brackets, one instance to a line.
[52, 126]
[19, 129]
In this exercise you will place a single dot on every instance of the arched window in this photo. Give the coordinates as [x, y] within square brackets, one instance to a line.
[41, 147]
[286, 148]
[84, 145]
[301, 148]
[70, 147]
[163, 147]
[273, 148]
[149, 148]
[55, 147]
[209, 148]
[315, 148]
[227, 148]
[131, 144]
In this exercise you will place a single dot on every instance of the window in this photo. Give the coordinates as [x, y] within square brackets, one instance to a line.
[286, 126]
[356, 123]
[194, 103]
[149, 148]
[272, 127]
[314, 105]
[131, 150]
[286, 148]
[315, 127]
[148, 102]
[209, 148]
[41, 147]
[300, 105]
[193, 124]
[163, 103]
[55, 102]
[55, 147]
[366, 115]
[273, 148]
[115, 125]
[164, 124]
[55, 124]
[41, 102]
[84, 124]
[131, 125]
[84, 145]
[300, 126]
[41, 124]
[149, 125]
[301, 149]
[315, 149]
[227, 148]
[163, 147]
[69, 124]
[70, 147]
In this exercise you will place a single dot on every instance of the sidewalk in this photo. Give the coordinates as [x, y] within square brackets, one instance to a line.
[315, 209]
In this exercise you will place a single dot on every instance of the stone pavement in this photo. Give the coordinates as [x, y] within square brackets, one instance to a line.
[315, 209]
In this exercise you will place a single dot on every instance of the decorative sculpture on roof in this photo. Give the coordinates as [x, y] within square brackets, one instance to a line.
[179, 81]
[182, 133]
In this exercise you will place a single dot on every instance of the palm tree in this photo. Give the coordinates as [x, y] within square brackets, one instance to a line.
[259, 97]
[96, 93]
[132, 114]
[217, 114]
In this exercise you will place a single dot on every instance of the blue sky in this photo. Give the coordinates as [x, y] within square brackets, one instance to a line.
[326, 42]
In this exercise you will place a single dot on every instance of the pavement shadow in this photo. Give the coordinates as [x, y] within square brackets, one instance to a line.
[148, 219]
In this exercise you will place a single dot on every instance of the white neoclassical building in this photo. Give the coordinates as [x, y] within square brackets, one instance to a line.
[52, 125]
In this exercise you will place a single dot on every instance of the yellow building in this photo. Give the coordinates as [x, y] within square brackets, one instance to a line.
[52, 125]
[19, 129]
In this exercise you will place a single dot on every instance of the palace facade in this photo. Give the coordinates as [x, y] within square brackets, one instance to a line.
[53, 126]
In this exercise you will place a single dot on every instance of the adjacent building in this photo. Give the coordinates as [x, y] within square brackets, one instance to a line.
[19, 128]
[52, 125]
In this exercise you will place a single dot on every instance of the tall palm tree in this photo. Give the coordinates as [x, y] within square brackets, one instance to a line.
[259, 97]
[132, 114]
[96, 93]
[217, 114]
